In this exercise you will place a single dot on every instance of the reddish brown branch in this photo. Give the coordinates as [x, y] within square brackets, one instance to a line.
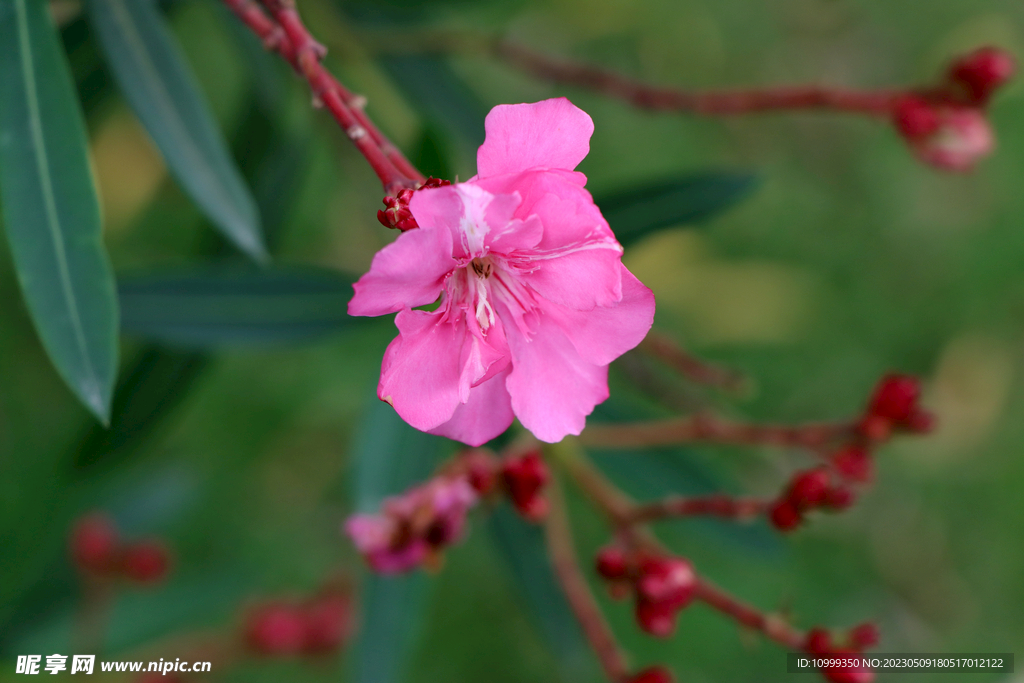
[283, 31]
[716, 505]
[666, 350]
[709, 103]
[709, 428]
[578, 593]
[773, 626]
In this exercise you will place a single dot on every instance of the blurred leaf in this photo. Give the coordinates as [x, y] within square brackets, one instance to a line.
[216, 306]
[441, 96]
[50, 206]
[157, 381]
[390, 456]
[522, 547]
[431, 155]
[154, 77]
[638, 212]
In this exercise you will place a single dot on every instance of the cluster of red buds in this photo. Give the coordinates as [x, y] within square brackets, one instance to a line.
[98, 551]
[947, 127]
[523, 479]
[520, 476]
[317, 626]
[893, 407]
[819, 644]
[661, 585]
[396, 213]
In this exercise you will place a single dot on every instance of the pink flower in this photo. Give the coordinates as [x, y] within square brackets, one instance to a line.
[414, 526]
[534, 299]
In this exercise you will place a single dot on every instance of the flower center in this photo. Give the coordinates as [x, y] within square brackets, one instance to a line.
[482, 266]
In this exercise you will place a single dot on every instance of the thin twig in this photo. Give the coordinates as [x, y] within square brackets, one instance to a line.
[577, 591]
[668, 351]
[774, 626]
[710, 428]
[283, 31]
[715, 505]
[708, 103]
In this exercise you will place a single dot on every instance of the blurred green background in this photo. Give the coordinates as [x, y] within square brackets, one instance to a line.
[847, 260]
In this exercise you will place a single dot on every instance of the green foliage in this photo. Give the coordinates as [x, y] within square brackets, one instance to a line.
[217, 306]
[156, 81]
[51, 214]
[695, 198]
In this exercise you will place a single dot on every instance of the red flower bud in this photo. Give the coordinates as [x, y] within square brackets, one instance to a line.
[397, 214]
[784, 515]
[854, 463]
[863, 636]
[328, 623]
[146, 561]
[94, 543]
[524, 477]
[839, 498]
[818, 641]
[656, 618]
[895, 398]
[809, 489]
[612, 563]
[652, 674]
[852, 674]
[666, 580]
[915, 117]
[275, 629]
[982, 72]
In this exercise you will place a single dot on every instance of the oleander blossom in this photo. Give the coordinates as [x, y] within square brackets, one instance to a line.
[534, 299]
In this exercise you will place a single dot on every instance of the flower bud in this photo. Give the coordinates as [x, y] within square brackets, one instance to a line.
[94, 544]
[784, 515]
[818, 641]
[667, 580]
[612, 563]
[397, 214]
[863, 636]
[652, 674]
[146, 561]
[656, 618]
[809, 489]
[854, 463]
[328, 623]
[275, 629]
[524, 477]
[980, 73]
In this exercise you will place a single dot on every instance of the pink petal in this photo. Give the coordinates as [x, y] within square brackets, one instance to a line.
[408, 272]
[421, 371]
[468, 212]
[486, 415]
[434, 363]
[605, 333]
[566, 210]
[548, 134]
[553, 389]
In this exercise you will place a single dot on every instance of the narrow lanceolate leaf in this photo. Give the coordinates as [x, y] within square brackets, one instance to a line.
[50, 209]
[522, 547]
[156, 81]
[638, 212]
[217, 306]
[390, 457]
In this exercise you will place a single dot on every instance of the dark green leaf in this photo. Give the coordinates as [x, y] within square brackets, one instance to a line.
[391, 456]
[216, 306]
[50, 206]
[444, 100]
[153, 75]
[636, 213]
[522, 547]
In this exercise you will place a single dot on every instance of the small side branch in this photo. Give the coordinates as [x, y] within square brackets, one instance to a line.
[577, 591]
[707, 103]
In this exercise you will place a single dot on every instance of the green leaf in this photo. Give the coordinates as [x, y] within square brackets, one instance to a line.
[522, 547]
[50, 206]
[391, 456]
[640, 211]
[157, 83]
[216, 306]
